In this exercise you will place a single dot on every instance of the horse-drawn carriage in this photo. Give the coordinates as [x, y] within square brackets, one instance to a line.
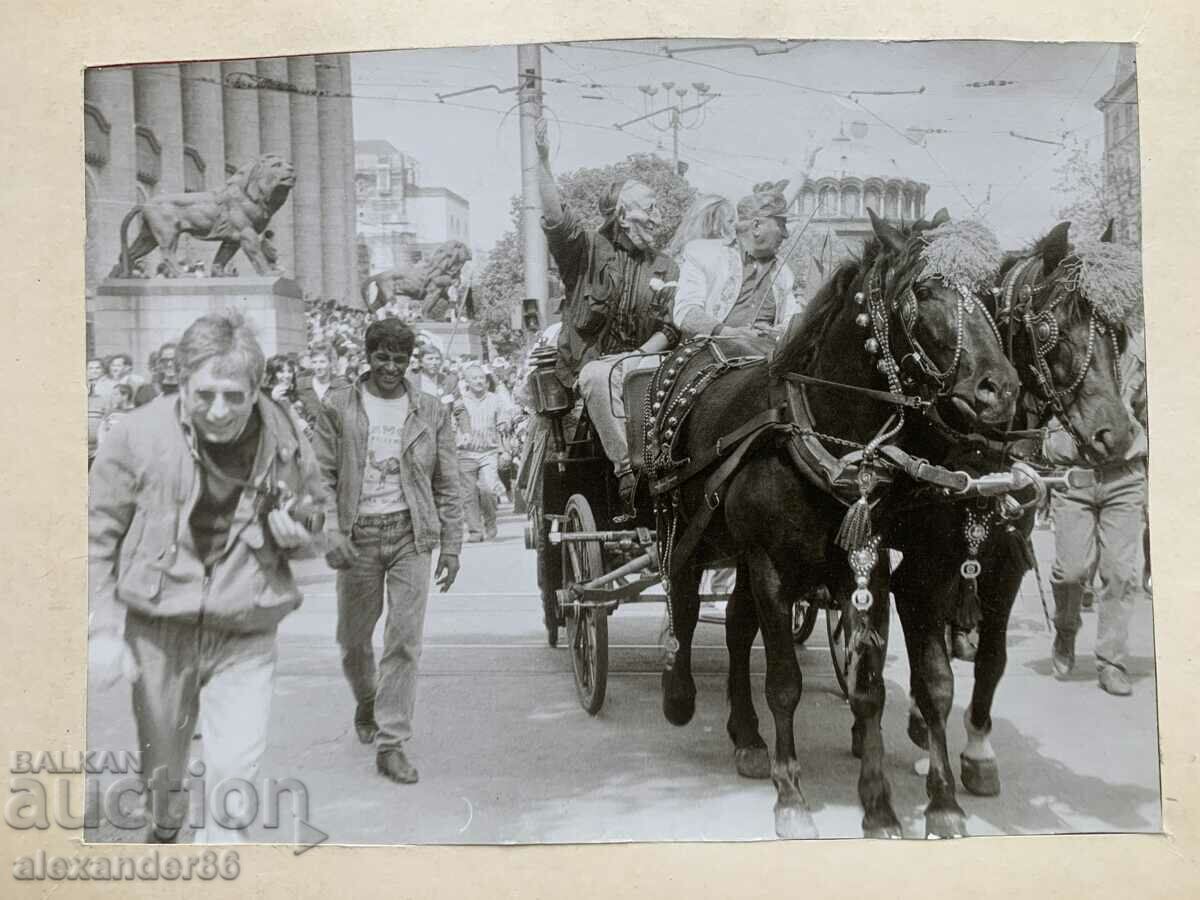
[592, 555]
[864, 432]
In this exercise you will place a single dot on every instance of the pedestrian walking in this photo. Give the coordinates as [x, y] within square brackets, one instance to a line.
[387, 453]
[190, 527]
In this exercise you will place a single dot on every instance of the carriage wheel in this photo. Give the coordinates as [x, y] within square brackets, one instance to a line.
[587, 631]
[804, 619]
[838, 624]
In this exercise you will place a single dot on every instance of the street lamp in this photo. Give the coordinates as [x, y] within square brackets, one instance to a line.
[676, 109]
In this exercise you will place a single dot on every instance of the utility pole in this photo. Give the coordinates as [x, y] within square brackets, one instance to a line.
[529, 77]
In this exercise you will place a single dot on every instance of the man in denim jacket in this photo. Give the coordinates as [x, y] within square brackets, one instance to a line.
[387, 453]
[189, 537]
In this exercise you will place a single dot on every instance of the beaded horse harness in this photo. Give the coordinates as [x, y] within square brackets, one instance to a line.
[1019, 304]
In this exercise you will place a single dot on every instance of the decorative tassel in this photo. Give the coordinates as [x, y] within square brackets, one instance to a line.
[855, 530]
[969, 611]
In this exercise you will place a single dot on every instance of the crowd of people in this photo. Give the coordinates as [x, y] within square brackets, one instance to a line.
[483, 397]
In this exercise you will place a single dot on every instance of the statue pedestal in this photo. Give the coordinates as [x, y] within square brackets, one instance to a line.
[138, 315]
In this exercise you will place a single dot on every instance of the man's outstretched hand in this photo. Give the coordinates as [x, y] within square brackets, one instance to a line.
[541, 139]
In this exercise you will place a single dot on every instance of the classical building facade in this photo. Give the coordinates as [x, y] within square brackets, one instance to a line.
[834, 202]
[1122, 163]
[187, 127]
[398, 218]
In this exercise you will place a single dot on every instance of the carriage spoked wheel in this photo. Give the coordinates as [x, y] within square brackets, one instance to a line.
[838, 624]
[587, 628]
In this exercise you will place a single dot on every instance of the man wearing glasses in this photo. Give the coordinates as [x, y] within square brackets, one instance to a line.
[387, 453]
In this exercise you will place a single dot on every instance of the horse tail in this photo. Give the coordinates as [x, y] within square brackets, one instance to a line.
[126, 263]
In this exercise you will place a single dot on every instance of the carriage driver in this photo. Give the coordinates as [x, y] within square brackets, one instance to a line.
[620, 291]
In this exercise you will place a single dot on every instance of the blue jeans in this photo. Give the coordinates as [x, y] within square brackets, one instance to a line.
[387, 560]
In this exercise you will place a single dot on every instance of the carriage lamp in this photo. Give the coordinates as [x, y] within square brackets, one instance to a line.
[550, 396]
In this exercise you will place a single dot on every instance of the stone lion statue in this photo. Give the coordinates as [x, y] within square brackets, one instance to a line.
[236, 215]
[428, 281]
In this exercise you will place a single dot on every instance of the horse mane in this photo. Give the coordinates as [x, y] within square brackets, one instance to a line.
[799, 344]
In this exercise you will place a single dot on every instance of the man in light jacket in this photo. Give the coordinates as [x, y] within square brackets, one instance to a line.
[387, 453]
[740, 287]
[188, 546]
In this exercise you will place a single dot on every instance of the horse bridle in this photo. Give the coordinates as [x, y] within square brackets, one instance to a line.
[1018, 304]
[878, 309]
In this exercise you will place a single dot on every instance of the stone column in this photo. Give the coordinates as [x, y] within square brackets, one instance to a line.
[306, 195]
[335, 279]
[241, 118]
[275, 136]
[351, 205]
[204, 120]
[351, 193]
[115, 177]
[157, 105]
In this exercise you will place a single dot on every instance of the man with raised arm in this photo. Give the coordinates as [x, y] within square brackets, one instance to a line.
[619, 293]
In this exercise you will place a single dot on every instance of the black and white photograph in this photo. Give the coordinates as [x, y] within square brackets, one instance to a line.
[651, 440]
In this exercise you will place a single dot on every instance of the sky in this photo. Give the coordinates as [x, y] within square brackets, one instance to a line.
[776, 104]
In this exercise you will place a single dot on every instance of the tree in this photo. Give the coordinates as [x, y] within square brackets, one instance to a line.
[1095, 191]
[502, 284]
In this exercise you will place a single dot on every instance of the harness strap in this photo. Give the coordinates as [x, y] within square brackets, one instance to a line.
[687, 544]
[883, 396]
[724, 444]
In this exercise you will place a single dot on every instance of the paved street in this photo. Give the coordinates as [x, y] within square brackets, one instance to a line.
[507, 755]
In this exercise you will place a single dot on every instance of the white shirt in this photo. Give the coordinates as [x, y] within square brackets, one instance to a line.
[382, 491]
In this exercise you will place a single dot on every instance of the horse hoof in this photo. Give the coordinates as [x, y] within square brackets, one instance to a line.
[794, 823]
[980, 776]
[678, 709]
[752, 762]
[945, 823]
[918, 731]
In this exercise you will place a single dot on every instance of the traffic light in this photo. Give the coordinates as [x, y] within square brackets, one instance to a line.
[531, 317]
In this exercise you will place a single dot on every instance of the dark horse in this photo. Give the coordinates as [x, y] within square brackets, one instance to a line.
[880, 323]
[1065, 348]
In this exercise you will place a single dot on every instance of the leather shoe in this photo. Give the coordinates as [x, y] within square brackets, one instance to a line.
[961, 645]
[394, 765]
[1114, 680]
[1063, 656]
[364, 722]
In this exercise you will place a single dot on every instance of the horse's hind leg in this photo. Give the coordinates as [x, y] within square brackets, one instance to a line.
[980, 773]
[678, 686]
[772, 599]
[867, 696]
[920, 599]
[741, 625]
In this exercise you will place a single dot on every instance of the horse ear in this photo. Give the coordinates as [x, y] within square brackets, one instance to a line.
[891, 238]
[1055, 247]
[1107, 237]
[941, 217]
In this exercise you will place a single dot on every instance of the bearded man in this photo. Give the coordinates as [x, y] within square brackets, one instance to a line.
[740, 287]
[619, 292]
